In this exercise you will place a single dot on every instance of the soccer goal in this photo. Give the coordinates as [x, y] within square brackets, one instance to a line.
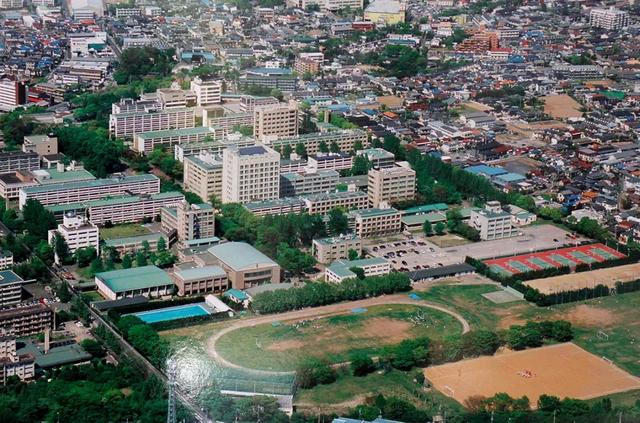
[602, 335]
[607, 360]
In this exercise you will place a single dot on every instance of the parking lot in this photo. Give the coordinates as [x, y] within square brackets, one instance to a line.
[414, 253]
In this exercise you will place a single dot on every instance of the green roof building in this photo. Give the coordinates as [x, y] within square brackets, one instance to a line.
[148, 281]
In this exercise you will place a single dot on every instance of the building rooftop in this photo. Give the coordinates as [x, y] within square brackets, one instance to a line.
[196, 273]
[336, 239]
[252, 151]
[8, 277]
[116, 242]
[323, 196]
[135, 278]
[426, 208]
[341, 267]
[240, 255]
[373, 212]
[175, 132]
[57, 355]
[91, 184]
[54, 176]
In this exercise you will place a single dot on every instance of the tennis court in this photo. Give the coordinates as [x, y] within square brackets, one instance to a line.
[560, 257]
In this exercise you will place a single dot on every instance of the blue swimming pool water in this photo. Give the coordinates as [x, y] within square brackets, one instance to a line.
[172, 313]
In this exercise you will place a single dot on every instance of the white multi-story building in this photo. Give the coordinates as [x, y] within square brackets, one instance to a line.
[6, 259]
[208, 91]
[492, 222]
[275, 121]
[295, 184]
[611, 19]
[10, 288]
[327, 250]
[333, 5]
[81, 191]
[346, 140]
[12, 94]
[146, 142]
[341, 269]
[189, 221]
[125, 12]
[126, 125]
[202, 175]
[325, 202]
[375, 222]
[11, 364]
[391, 185]
[250, 174]
[77, 232]
[81, 42]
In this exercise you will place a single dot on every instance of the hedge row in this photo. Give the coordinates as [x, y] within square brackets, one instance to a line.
[314, 294]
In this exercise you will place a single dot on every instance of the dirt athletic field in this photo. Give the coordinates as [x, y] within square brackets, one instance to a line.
[561, 106]
[563, 370]
[575, 281]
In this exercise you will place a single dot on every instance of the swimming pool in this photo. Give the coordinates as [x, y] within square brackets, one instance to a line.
[172, 313]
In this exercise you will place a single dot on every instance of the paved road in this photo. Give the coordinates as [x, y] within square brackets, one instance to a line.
[317, 313]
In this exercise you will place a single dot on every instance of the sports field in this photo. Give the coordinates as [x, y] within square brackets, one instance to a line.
[562, 370]
[574, 281]
[570, 256]
[280, 345]
[561, 106]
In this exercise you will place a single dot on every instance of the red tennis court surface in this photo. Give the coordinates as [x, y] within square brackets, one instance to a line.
[569, 256]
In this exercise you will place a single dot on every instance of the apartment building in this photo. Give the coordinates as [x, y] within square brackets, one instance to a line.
[208, 91]
[200, 280]
[245, 266]
[278, 206]
[278, 78]
[77, 232]
[12, 363]
[189, 221]
[125, 12]
[373, 222]
[126, 125]
[26, 319]
[345, 139]
[391, 185]
[479, 43]
[202, 175]
[12, 94]
[10, 161]
[341, 269]
[146, 142]
[492, 222]
[330, 161]
[81, 191]
[248, 103]
[276, 121]
[333, 5]
[295, 184]
[308, 63]
[324, 203]
[250, 174]
[327, 250]
[10, 288]
[122, 209]
[42, 145]
[130, 105]
[11, 4]
[611, 19]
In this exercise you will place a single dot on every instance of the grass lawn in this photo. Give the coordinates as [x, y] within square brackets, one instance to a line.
[349, 391]
[280, 347]
[448, 240]
[122, 231]
[93, 295]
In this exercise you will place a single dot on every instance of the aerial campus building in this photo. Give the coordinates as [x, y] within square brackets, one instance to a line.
[148, 281]
[78, 192]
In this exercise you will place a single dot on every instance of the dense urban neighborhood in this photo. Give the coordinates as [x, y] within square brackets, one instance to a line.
[338, 211]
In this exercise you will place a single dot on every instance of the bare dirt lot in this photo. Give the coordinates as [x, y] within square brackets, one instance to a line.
[575, 281]
[563, 370]
[561, 106]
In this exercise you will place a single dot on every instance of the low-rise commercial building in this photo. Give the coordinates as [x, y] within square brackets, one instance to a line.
[148, 281]
[327, 250]
[376, 222]
[200, 280]
[245, 266]
[341, 269]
